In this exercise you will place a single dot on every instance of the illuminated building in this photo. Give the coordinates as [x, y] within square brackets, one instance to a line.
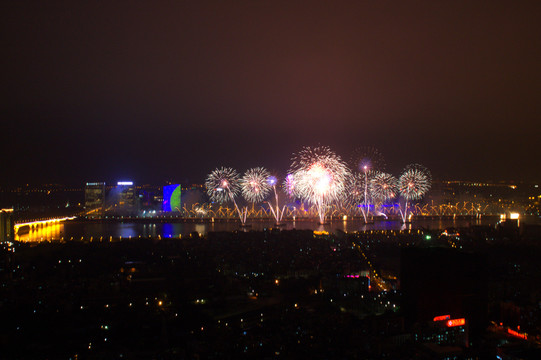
[444, 331]
[126, 196]
[150, 199]
[444, 295]
[6, 225]
[95, 199]
[171, 198]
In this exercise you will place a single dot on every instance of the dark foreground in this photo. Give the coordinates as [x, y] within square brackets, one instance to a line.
[272, 294]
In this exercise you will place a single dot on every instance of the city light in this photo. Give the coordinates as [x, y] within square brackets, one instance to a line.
[262, 222]
[517, 334]
[514, 216]
[456, 322]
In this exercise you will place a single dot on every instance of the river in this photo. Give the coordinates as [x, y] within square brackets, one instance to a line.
[84, 230]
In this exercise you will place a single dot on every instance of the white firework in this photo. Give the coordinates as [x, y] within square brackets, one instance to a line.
[254, 184]
[320, 177]
[222, 185]
[383, 187]
[413, 184]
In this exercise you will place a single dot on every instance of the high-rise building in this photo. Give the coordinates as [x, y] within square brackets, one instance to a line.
[444, 290]
[126, 197]
[95, 199]
[6, 225]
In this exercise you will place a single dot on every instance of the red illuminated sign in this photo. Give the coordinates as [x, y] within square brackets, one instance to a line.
[517, 334]
[442, 317]
[456, 322]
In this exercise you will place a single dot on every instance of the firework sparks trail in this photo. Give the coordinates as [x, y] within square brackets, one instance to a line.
[413, 184]
[360, 191]
[367, 161]
[289, 186]
[320, 177]
[277, 213]
[367, 157]
[222, 185]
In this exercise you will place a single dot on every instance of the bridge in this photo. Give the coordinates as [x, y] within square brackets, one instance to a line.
[31, 225]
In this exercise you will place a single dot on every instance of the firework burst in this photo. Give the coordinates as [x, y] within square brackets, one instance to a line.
[355, 188]
[367, 158]
[366, 162]
[413, 184]
[320, 177]
[383, 187]
[222, 185]
[359, 191]
[254, 184]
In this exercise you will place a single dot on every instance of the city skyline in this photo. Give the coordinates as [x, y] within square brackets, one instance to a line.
[151, 92]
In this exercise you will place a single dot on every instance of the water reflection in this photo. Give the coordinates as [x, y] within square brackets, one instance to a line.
[86, 230]
[149, 230]
[405, 226]
[45, 233]
[127, 230]
[167, 230]
[200, 228]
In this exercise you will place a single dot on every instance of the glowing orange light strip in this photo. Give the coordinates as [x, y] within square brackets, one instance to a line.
[442, 317]
[456, 322]
[517, 334]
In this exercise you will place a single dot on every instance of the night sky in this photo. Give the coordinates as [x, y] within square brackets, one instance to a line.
[154, 91]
